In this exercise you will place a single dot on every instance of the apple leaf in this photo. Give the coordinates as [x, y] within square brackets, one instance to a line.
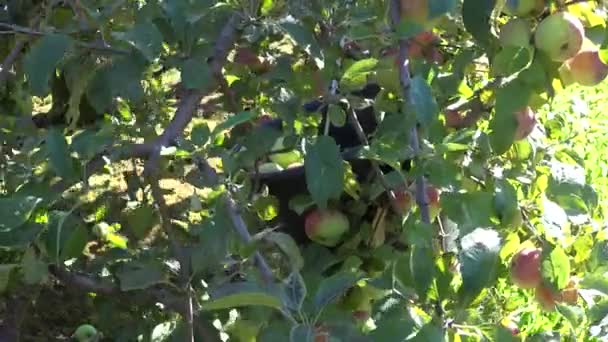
[5, 275]
[139, 275]
[355, 77]
[333, 287]
[421, 267]
[555, 267]
[42, 59]
[476, 18]
[305, 39]
[422, 99]
[196, 74]
[430, 332]
[479, 261]
[145, 37]
[509, 99]
[510, 60]
[336, 115]
[59, 154]
[324, 171]
[233, 295]
[288, 246]
[295, 291]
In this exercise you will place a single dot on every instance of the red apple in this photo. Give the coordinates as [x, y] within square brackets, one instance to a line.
[453, 119]
[525, 268]
[546, 298]
[560, 36]
[511, 326]
[326, 227]
[526, 121]
[586, 69]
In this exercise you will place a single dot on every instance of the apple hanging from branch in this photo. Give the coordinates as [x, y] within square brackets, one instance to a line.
[586, 69]
[526, 121]
[326, 227]
[560, 36]
[525, 268]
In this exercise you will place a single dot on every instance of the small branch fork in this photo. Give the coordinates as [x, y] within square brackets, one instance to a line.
[404, 77]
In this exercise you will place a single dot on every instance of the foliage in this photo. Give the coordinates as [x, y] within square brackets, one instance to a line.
[132, 146]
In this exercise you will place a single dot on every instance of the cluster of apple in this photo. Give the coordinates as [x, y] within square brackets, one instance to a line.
[560, 36]
[328, 227]
[526, 273]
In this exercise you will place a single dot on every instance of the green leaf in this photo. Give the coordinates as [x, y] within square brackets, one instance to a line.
[22, 237]
[200, 134]
[66, 237]
[267, 207]
[598, 312]
[479, 261]
[306, 41]
[509, 99]
[476, 19]
[421, 268]
[333, 287]
[469, 210]
[59, 154]
[232, 121]
[555, 267]
[430, 332]
[233, 295]
[145, 37]
[35, 271]
[139, 275]
[16, 210]
[141, 220]
[596, 281]
[355, 77]
[295, 291]
[212, 247]
[5, 275]
[424, 103]
[196, 74]
[324, 171]
[510, 60]
[336, 115]
[598, 260]
[42, 59]
[288, 246]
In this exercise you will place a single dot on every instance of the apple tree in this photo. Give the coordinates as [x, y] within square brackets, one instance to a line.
[276, 170]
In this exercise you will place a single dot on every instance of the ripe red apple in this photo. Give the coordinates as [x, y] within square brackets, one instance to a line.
[404, 200]
[526, 120]
[453, 119]
[326, 227]
[525, 268]
[511, 326]
[516, 32]
[586, 69]
[545, 297]
[560, 36]
[246, 56]
[522, 8]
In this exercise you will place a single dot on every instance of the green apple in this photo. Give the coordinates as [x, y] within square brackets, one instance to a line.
[525, 268]
[516, 32]
[586, 69]
[326, 227]
[86, 333]
[284, 159]
[560, 36]
[526, 121]
[522, 8]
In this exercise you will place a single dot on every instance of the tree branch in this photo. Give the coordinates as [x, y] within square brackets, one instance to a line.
[405, 80]
[8, 62]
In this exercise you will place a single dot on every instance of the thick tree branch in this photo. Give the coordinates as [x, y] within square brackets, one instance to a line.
[404, 77]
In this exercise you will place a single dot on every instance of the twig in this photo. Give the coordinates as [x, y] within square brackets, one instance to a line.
[404, 77]
[16, 29]
[241, 228]
[7, 63]
[363, 139]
